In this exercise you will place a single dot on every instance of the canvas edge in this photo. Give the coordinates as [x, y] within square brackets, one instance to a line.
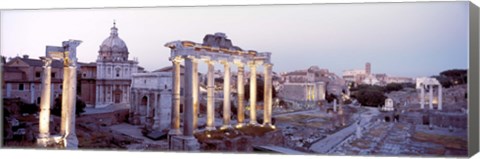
[473, 81]
[1, 92]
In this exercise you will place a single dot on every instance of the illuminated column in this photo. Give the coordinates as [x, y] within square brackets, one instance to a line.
[430, 97]
[175, 122]
[240, 94]
[45, 103]
[253, 93]
[267, 98]
[226, 95]
[422, 97]
[195, 93]
[188, 109]
[210, 97]
[439, 97]
[68, 104]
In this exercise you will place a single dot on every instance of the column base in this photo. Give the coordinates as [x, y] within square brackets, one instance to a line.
[70, 141]
[210, 128]
[171, 134]
[240, 125]
[54, 141]
[184, 143]
[268, 125]
[226, 127]
[44, 142]
[253, 123]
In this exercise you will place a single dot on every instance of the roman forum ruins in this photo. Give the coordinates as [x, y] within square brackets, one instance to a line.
[424, 82]
[67, 138]
[215, 48]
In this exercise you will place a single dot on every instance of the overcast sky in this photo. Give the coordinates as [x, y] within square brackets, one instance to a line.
[399, 39]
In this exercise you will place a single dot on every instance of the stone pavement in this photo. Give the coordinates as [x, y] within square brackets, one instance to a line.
[325, 145]
[135, 132]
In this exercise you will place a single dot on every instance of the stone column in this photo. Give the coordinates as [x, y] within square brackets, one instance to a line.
[195, 91]
[188, 110]
[253, 93]
[267, 97]
[334, 105]
[226, 95]
[210, 97]
[45, 104]
[69, 93]
[430, 97]
[241, 95]
[156, 118]
[97, 90]
[422, 97]
[440, 97]
[175, 121]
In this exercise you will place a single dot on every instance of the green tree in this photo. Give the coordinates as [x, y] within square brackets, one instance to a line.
[57, 106]
[370, 97]
[393, 87]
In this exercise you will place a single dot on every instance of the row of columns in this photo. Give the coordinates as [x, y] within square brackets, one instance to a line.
[191, 87]
[430, 97]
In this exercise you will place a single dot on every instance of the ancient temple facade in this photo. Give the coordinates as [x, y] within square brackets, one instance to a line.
[114, 71]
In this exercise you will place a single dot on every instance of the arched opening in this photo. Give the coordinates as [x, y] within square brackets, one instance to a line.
[144, 101]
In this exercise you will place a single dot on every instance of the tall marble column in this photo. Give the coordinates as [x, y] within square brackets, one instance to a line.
[188, 110]
[175, 121]
[422, 97]
[226, 95]
[210, 96]
[45, 104]
[440, 97]
[68, 104]
[430, 97]
[253, 93]
[267, 98]
[240, 94]
[195, 91]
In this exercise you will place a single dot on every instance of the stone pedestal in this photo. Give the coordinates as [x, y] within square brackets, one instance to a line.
[184, 143]
[171, 134]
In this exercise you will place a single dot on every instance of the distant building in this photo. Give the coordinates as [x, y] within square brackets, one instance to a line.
[365, 76]
[23, 78]
[114, 71]
[310, 85]
[104, 82]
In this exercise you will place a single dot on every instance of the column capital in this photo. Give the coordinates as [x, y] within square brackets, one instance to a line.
[239, 63]
[251, 63]
[47, 62]
[192, 58]
[210, 61]
[225, 62]
[268, 64]
[176, 59]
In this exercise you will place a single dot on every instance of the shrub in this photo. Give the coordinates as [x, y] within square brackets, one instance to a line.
[57, 106]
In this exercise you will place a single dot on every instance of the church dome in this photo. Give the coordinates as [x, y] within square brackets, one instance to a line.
[113, 48]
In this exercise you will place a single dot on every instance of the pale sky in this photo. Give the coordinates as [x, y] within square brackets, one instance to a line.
[399, 39]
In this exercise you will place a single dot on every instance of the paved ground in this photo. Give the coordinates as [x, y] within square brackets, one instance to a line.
[135, 132]
[107, 109]
[329, 142]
